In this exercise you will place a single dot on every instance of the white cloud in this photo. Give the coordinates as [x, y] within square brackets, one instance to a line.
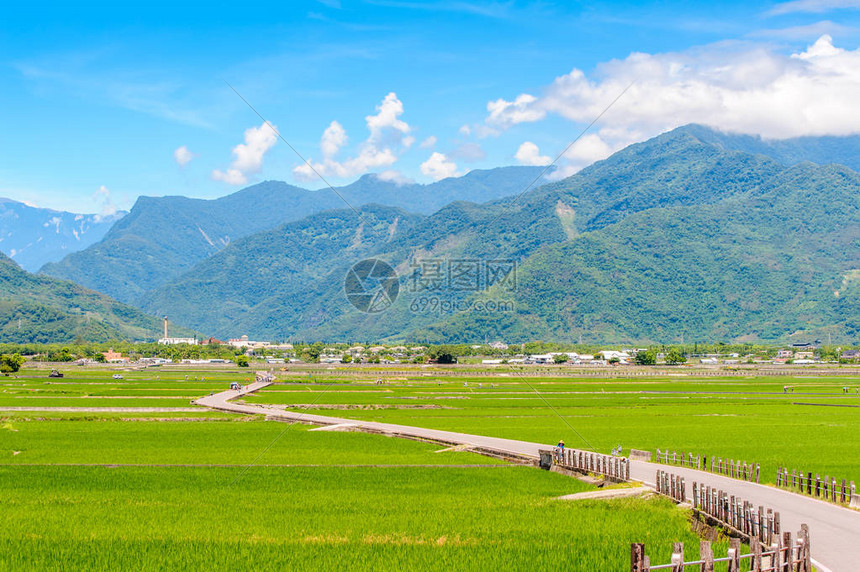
[439, 166]
[333, 138]
[812, 6]
[394, 176]
[183, 156]
[387, 118]
[529, 154]
[520, 110]
[248, 156]
[429, 142]
[735, 87]
[103, 199]
[388, 137]
[465, 130]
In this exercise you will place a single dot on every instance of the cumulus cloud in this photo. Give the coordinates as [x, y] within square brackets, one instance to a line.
[183, 156]
[394, 176]
[388, 137]
[439, 166]
[429, 142]
[333, 138]
[529, 154]
[735, 87]
[248, 156]
[103, 199]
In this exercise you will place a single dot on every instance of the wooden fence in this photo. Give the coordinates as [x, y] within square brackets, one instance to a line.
[827, 488]
[728, 467]
[771, 550]
[671, 486]
[617, 468]
[783, 555]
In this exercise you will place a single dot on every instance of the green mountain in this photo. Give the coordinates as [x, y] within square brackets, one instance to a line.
[265, 282]
[779, 262]
[823, 150]
[668, 238]
[163, 237]
[36, 308]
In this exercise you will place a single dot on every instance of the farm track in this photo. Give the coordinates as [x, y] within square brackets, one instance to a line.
[835, 530]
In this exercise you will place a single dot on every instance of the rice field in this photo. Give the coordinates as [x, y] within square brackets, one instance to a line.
[105, 474]
[810, 425]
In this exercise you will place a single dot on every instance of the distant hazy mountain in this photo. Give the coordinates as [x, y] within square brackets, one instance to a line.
[37, 308]
[823, 150]
[33, 236]
[672, 237]
[475, 186]
[163, 237]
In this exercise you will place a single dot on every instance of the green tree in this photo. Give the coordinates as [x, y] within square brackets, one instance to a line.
[560, 358]
[346, 358]
[10, 363]
[242, 361]
[675, 357]
[443, 354]
[646, 358]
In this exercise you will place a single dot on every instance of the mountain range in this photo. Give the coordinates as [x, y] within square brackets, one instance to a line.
[162, 237]
[34, 236]
[675, 238]
[692, 235]
[35, 308]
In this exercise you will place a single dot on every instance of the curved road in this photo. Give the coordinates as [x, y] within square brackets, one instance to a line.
[834, 530]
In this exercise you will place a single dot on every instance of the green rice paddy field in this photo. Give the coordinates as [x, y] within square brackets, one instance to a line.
[104, 474]
[313, 501]
[814, 426]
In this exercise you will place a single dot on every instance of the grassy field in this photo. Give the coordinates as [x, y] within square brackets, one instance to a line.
[810, 427]
[275, 496]
[153, 486]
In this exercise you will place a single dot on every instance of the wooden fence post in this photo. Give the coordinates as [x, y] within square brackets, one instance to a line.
[734, 564]
[755, 549]
[776, 558]
[678, 557]
[637, 557]
[789, 552]
[757, 472]
[707, 557]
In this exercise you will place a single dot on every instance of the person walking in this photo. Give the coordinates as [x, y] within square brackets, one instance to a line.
[560, 451]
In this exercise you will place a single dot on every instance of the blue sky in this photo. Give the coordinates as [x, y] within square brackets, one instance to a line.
[100, 103]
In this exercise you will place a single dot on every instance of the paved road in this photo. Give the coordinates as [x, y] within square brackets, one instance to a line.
[834, 530]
